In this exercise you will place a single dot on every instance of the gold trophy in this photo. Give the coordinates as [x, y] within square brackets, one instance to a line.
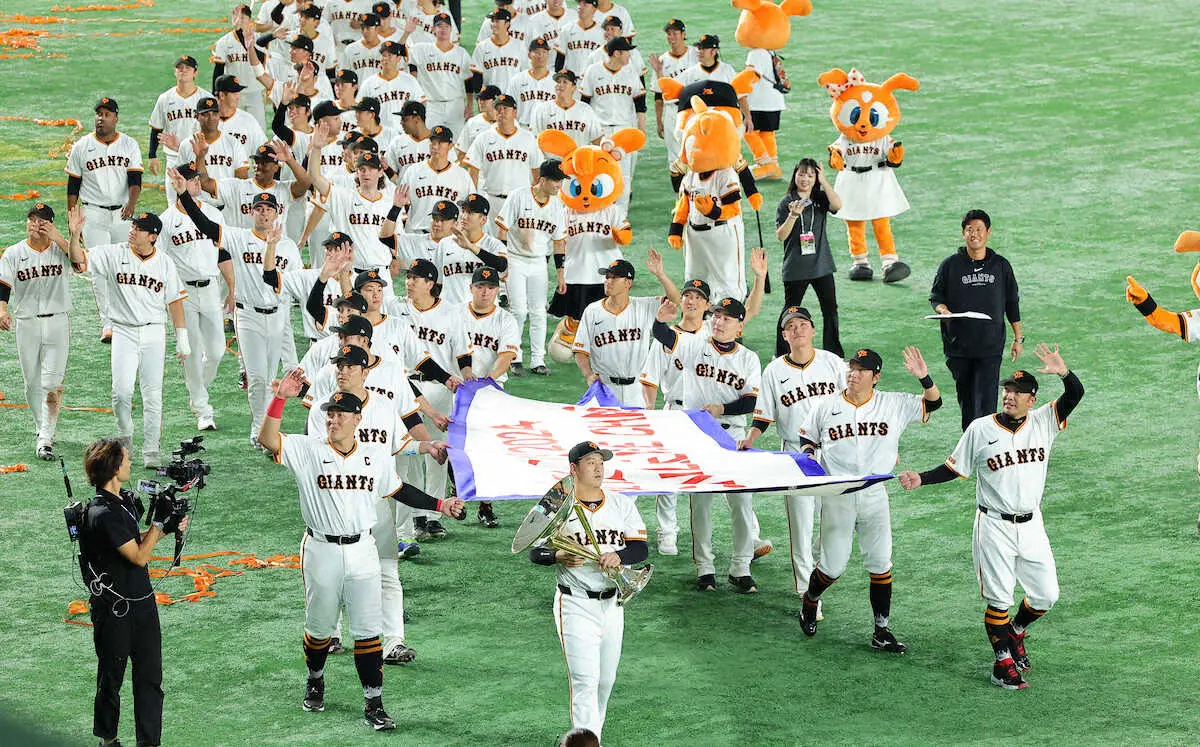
[546, 520]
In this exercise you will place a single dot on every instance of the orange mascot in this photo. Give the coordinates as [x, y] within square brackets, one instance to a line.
[865, 157]
[597, 227]
[764, 27]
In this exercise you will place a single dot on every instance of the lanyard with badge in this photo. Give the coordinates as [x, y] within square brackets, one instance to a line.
[808, 240]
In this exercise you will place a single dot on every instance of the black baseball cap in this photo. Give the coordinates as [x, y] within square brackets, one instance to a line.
[444, 210]
[442, 18]
[187, 171]
[794, 312]
[709, 41]
[500, 14]
[352, 298]
[370, 19]
[618, 44]
[343, 402]
[106, 103]
[228, 84]
[1021, 381]
[188, 60]
[413, 109]
[356, 326]
[423, 268]
[301, 100]
[711, 92]
[618, 268]
[352, 354]
[366, 143]
[312, 11]
[326, 109]
[383, 10]
[676, 24]
[302, 42]
[346, 76]
[566, 75]
[369, 276]
[476, 203]
[351, 139]
[551, 168]
[866, 359]
[441, 134]
[371, 159]
[505, 100]
[40, 210]
[264, 198]
[485, 276]
[585, 448]
[698, 286]
[205, 105]
[489, 92]
[591, 2]
[731, 307]
[147, 222]
[367, 104]
[264, 153]
[337, 238]
[393, 47]
[539, 43]
[612, 21]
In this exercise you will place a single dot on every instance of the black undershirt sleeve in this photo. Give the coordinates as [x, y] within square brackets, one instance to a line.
[153, 152]
[414, 497]
[74, 183]
[543, 555]
[412, 420]
[938, 474]
[206, 226]
[271, 278]
[665, 334]
[315, 303]
[494, 261]
[223, 256]
[635, 551]
[761, 425]
[280, 128]
[432, 371]
[639, 104]
[743, 405]
[5, 290]
[1072, 394]
[133, 178]
[218, 71]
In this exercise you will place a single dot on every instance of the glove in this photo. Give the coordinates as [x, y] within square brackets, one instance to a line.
[182, 348]
[1134, 292]
[707, 206]
[1188, 241]
[895, 155]
[676, 242]
[836, 161]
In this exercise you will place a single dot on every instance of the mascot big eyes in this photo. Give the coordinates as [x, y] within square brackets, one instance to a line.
[596, 225]
[865, 157]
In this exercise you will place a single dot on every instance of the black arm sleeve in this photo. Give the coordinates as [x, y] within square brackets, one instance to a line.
[474, 84]
[639, 104]
[206, 226]
[218, 71]
[315, 304]
[412, 496]
[586, 99]
[1072, 394]
[389, 242]
[412, 421]
[277, 13]
[938, 474]
[664, 334]
[223, 256]
[280, 128]
[761, 425]
[463, 361]
[543, 555]
[73, 184]
[262, 40]
[133, 178]
[743, 405]
[494, 261]
[416, 390]
[1012, 296]
[431, 370]
[746, 179]
[271, 278]
[635, 551]
[560, 60]
[5, 290]
[932, 405]
[153, 152]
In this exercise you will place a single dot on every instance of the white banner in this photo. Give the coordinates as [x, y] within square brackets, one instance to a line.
[505, 447]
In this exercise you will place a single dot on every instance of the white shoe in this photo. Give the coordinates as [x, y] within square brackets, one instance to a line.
[206, 423]
[820, 610]
[667, 546]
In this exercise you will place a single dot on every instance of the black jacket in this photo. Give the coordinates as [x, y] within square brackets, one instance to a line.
[988, 286]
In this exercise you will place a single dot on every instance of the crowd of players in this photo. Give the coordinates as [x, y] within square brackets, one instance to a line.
[397, 156]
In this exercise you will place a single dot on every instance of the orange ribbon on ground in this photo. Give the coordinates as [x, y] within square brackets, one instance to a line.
[32, 194]
[13, 468]
[91, 8]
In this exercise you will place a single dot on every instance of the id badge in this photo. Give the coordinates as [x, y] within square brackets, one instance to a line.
[808, 243]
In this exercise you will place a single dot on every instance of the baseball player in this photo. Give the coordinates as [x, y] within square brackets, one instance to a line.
[303, 76]
[468, 248]
[339, 482]
[412, 145]
[174, 113]
[311, 26]
[590, 622]
[427, 182]
[409, 246]
[104, 174]
[364, 55]
[258, 255]
[534, 85]
[516, 19]
[671, 64]
[1009, 453]
[344, 18]
[236, 195]
[423, 19]
[367, 111]
[534, 225]
[35, 287]
[393, 86]
[502, 160]
[609, 9]
[359, 213]
[231, 59]
[445, 70]
[389, 31]
[216, 152]
[614, 332]
[325, 292]
[722, 377]
[140, 284]
[345, 95]
[499, 57]
[614, 27]
[546, 23]
[858, 433]
[566, 113]
[235, 122]
[579, 39]
[615, 92]
[199, 262]
[792, 385]
[484, 120]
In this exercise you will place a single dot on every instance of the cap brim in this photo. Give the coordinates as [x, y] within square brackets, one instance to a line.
[334, 406]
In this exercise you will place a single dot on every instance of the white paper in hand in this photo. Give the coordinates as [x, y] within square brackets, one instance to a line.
[961, 315]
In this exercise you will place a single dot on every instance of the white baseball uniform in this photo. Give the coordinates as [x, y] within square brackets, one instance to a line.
[578, 121]
[360, 218]
[104, 170]
[505, 163]
[339, 14]
[499, 63]
[174, 114]
[616, 343]
[672, 67]
[392, 93]
[236, 198]
[722, 72]
[542, 25]
[224, 157]
[621, 12]
[470, 130]
[364, 60]
[138, 290]
[404, 152]
[590, 244]
[410, 246]
[423, 33]
[426, 186]
[456, 265]
[488, 336]
[577, 43]
[764, 97]
[530, 93]
[230, 51]
[870, 194]
[714, 250]
[443, 75]
[523, 216]
[245, 129]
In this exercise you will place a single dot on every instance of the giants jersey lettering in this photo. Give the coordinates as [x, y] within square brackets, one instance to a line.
[404, 152]
[244, 128]
[530, 93]
[230, 50]
[379, 426]
[194, 254]
[40, 282]
[526, 218]
[863, 155]
[139, 288]
[426, 186]
[663, 371]
[790, 390]
[614, 522]
[392, 93]
[338, 492]
[297, 283]
[711, 376]
[487, 336]
[616, 343]
[248, 249]
[236, 197]
[716, 184]
[364, 60]
[577, 44]
[590, 245]
[862, 439]
[360, 217]
[104, 168]
[1009, 465]
[439, 330]
[441, 74]
[504, 161]
[578, 120]
[340, 13]
[500, 63]
[456, 265]
[175, 114]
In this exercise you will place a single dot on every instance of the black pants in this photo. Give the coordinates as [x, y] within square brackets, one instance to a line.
[793, 295]
[135, 636]
[977, 381]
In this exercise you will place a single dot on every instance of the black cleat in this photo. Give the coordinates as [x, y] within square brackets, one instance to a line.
[487, 516]
[517, 370]
[707, 582]
[808, 616]
[314, 695]
[541, 370]
[399, 654]
[336, 647]
[743, 584]
[45, 452]
[435, 529]
[376, 717]
[1020, 659]
[420, 528]
[1005, 674]
[883, 640]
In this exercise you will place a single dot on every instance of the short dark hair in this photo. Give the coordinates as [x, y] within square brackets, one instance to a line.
[977, 215]
[808, 164]
[102, 459]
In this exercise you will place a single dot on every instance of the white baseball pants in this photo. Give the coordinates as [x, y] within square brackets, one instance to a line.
[337, 575]
[204, 318]
[42, 347]
[137, 356]
[718, 256]
[102, 226]
[441, 399]
[591, 631]
[448, 114]
[527, 288]
[1007, 554]
[260, 340]
[392, 592]
[866, 513]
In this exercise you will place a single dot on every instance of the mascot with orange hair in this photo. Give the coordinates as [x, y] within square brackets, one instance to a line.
[597, 227]
[865, 157]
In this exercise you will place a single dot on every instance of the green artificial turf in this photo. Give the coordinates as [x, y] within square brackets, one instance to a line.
[1072, 123]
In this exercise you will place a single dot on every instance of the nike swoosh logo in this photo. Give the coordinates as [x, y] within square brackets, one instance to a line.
[836, 412]
[992, 442]
[978, 269]
[783, 381]
[597, 321]
[326, 461]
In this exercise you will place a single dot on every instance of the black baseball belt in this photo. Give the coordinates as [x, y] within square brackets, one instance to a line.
[104, 207]
[865, 169]
[622, 380]
[260, 310]
[606, 594]
[47, 316]
[198, 283]
[337, 539]
[706, 226]
[1014, 518]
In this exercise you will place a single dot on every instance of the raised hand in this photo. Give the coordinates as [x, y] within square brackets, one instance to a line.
[170, 140]
[909, 480]
[654, 262]
[758, 261]
[199, 145]
[291, 385]
[400, 196]
[667, 311]
[915, 362]
[282, 152]
[1052, 362]
[75, 219]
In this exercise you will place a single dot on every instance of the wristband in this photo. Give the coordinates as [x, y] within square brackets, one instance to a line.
[559, 261]
[438, 508]
[927, 382]
[275, 409]
[394, 214]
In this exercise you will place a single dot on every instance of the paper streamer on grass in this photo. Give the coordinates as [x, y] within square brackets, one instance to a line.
[504, 447]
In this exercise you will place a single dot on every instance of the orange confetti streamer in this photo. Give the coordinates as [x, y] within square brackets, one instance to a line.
[14, 468]
[91, 8]
[32, 194]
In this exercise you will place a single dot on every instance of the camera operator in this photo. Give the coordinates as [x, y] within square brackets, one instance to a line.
[113, 555]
